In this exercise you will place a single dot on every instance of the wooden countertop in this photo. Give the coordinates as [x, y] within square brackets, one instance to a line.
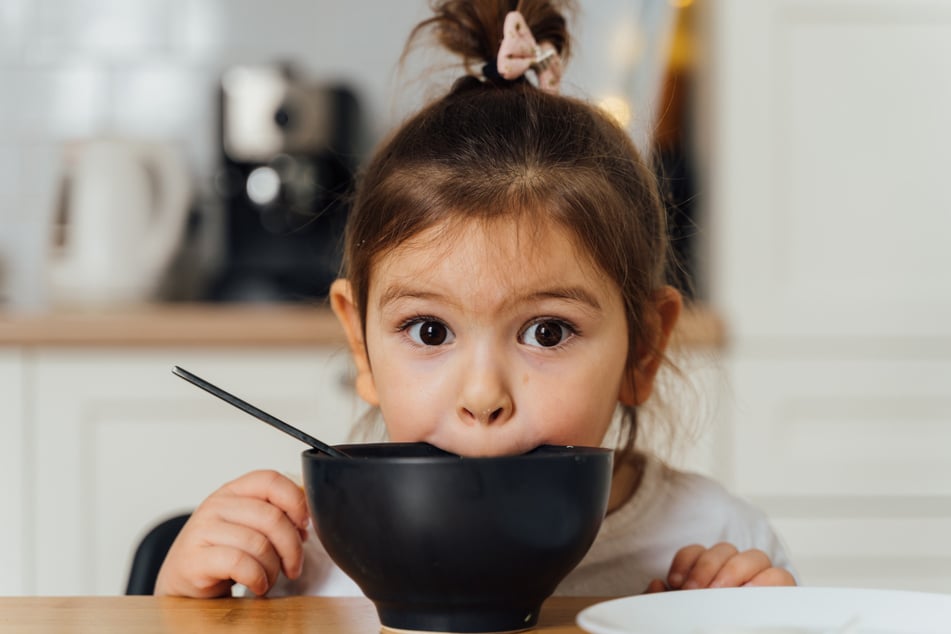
[166, 615]
[230, 325]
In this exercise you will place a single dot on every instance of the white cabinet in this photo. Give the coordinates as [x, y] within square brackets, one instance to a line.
[828, 213]
[843, 427]
[828, 149]
[852, 459]
[13, 495]
[118, 442]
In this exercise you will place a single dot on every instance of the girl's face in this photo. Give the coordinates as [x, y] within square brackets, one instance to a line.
[490, 339]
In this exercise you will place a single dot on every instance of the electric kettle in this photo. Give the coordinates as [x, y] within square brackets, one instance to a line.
[124, 204]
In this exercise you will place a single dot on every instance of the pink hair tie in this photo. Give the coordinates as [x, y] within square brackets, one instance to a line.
[519, 52]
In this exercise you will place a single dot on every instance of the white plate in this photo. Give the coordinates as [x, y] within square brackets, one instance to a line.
[772, 611]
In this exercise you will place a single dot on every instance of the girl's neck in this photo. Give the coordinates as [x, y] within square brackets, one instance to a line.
[626, 480]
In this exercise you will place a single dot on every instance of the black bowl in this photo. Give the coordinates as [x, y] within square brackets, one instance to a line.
[445, 543]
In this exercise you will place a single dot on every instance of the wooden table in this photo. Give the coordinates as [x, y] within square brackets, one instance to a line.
[165, 615]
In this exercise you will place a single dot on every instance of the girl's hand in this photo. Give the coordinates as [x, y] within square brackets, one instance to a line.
[721, 566]
[245, 532]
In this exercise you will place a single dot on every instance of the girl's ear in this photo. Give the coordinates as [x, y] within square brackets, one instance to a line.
[341, 301]
[661, 321]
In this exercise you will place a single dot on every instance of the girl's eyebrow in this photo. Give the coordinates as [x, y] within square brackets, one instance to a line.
[571, 293]
[574, 294]
[398, 291]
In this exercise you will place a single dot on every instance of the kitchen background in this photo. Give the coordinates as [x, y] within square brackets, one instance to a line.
[152, 69]
[805, 144]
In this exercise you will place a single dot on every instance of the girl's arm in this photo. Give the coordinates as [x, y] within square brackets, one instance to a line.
[245, 532]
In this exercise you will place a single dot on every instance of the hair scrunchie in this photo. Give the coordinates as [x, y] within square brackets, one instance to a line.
[519, 52]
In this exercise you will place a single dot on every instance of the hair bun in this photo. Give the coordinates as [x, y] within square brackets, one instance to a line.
[473, 29]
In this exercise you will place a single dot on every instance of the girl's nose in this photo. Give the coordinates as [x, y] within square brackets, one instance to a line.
[483, 417]
[485, 399]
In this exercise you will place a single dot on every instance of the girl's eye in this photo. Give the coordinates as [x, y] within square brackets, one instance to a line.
[429, 332]
[546, 333]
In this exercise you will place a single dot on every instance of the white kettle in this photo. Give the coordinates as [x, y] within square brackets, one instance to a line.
[124, 207]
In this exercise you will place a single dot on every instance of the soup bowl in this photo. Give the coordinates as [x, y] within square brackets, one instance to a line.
[446, 543]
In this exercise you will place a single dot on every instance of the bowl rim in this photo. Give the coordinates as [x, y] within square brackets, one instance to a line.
[569, 452]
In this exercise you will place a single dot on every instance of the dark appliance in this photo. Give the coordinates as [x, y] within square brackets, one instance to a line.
[288, 153]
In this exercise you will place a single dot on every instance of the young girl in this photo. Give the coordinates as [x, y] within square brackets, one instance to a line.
[504, 287]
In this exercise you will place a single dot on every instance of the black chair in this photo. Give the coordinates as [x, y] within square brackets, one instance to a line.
[151, 553]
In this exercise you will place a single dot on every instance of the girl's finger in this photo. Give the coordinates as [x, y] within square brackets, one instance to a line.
[274, 488]
[684, 560]
[707, 565]
[270, 521]
[251, 542]
[773, 577]
[225, 562]
[740, 568]
[656, 585]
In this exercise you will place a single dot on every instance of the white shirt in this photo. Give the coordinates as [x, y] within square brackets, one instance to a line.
[637, 542]
[670, 509]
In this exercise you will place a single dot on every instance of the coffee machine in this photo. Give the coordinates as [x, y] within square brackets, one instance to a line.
[288, 154]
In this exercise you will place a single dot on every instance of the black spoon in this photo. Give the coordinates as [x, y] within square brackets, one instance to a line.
[257, 413]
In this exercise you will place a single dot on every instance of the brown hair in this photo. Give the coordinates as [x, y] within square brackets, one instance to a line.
[486, 150]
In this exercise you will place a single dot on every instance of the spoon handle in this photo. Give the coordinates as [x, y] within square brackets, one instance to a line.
[231, 399]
